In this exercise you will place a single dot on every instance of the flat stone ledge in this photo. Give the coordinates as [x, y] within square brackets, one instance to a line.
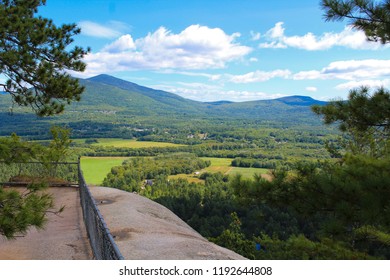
[146, 230]
[64, 236]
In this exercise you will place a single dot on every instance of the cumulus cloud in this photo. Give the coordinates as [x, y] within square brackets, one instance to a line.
[111, 30]
[348, 70]
[196, 47]
[368, 83]
[124, 43]
[349, 38]
[259, 76]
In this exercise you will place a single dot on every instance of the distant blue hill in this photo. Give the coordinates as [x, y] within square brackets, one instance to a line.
[222, 102]
[299, 100]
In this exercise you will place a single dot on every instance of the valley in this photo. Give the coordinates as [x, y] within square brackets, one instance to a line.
[202, 160]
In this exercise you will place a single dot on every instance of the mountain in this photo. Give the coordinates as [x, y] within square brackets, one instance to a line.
[298, 100]
[222, 102]
[110, 106]
[124, 96]
[160, 96]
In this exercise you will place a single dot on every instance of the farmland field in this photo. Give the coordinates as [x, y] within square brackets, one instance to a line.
[248, 172]
[95, 169]
[222, 165]
[128, 143]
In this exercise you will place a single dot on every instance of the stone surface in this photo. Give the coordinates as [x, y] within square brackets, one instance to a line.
[145, 230]
[63, 238]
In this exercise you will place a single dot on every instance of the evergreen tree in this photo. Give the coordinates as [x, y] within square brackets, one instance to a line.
[373, 17]
[364, 118]
[20, 209]
[34, 58]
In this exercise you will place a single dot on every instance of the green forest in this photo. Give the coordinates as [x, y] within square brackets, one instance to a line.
[320, 209]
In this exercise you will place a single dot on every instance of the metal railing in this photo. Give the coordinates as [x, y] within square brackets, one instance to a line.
[52, 173]
[100, 238]
[66, 174]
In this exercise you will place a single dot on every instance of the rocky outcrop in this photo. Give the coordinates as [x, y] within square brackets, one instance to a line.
[144, 230]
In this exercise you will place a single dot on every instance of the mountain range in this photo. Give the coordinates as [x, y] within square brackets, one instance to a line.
[124, 95]
[111, 100]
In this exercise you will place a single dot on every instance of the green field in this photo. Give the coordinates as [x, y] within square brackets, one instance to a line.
[223, 165]
[95, 169]
[218, 165]
[248, 172]
[127, 143]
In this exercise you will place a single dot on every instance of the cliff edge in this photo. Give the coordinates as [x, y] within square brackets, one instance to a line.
[146, 230]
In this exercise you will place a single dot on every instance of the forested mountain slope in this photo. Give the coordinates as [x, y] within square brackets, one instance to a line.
[110, 104]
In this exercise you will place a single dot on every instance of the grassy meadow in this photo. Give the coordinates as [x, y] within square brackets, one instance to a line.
[95, 169]
[222, 165]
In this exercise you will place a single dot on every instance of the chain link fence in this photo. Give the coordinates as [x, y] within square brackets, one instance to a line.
[100, 238]
[52, 173]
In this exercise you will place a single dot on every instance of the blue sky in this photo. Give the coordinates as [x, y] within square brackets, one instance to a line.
[224, 50]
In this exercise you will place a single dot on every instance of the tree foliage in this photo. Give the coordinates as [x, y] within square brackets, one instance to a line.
[34, 58]
[364, 118]
[344, 197]
[14, 150]
[373, 17]
[56, 151]
[21, 210]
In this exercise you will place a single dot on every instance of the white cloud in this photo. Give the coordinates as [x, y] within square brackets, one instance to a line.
[311, 89]
[259, 76]
[358, 69]
[348, 70]
[369, 83]
[255, 36]
[308, 75]
[207, 93]
[124, 43]
[211, 77]
[253, 59]
[111, 30]
[348, 38]
[200, 86]
[196, 47]
[277, 31]
[273, 45]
